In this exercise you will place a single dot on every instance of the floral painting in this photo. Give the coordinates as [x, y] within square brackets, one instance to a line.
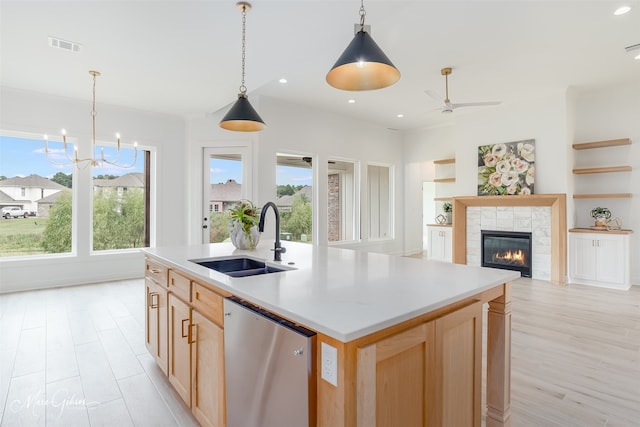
[506, 169]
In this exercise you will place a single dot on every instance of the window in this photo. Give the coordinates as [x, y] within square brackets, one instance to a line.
[379, 178]
[225, 190]
[341, 201]
[43, 194]
[121, 202]
[294, 181]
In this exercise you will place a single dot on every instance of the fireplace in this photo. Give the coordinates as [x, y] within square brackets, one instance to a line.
[509, 250]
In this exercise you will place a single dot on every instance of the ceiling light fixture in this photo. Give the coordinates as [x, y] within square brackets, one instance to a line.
[90, 161]
[622, 10]
[242, 117]
[363, 65]
[633, 50]
[351, 101]
[283, 80]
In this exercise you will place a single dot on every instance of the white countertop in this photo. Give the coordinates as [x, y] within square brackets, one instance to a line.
[342, 293]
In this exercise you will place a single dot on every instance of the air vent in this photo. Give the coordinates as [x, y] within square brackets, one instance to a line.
[64, 44]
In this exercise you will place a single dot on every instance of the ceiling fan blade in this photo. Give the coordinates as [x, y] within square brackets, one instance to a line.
[475, 104]
[434, 95]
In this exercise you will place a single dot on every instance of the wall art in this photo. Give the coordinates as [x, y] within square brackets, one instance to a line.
[506, 169]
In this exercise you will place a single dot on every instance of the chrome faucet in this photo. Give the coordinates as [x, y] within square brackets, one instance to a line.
[277, 249]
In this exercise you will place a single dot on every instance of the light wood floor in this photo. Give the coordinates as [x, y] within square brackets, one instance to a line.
[76, 357]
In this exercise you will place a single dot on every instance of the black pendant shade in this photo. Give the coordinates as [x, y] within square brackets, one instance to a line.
[242, 117]
[363, 66]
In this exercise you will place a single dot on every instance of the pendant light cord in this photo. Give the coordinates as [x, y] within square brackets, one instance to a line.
[243, 88]
[363, 13]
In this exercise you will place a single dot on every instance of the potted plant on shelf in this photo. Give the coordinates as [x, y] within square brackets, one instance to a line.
[447, 208]
[243, 225]
[600, 215]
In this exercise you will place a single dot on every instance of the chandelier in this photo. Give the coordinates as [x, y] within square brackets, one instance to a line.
[92, 161]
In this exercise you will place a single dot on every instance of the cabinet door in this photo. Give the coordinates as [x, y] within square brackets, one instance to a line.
[156, 338]
[582, 256]
[393, 375]
[208, 389]
[436, 247]
[610, 259]
[179, 347]
[458, 369]
[447, 249]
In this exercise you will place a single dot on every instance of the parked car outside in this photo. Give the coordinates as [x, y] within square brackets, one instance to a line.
[14, 212]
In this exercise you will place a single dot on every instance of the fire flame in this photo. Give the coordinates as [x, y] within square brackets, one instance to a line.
[515, 256]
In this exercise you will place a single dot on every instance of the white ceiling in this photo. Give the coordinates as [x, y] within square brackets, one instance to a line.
[183, 57]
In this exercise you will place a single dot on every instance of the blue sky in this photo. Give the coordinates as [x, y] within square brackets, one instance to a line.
[23, 157]
[222, 170]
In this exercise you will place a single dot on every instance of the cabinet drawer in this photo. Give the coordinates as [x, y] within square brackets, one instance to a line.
[180, 285]
[156, 272]
[208, 303]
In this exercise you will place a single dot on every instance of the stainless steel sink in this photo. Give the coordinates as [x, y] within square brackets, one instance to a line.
[238, 267]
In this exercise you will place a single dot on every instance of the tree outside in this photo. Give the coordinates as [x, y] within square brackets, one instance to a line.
[298, 221]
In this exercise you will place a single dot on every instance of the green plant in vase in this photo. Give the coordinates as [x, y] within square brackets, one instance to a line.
[243, 225]
[447, 208]
[600, 215]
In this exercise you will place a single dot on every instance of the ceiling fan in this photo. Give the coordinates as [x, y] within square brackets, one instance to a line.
[447, 106]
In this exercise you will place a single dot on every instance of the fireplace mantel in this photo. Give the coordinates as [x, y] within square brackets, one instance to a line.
[558, 205]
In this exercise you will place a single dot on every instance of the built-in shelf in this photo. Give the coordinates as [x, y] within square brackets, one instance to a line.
[603, 169]
[444, 180]
[603, 196]
[443, 199]
[444, 161]
[601, 144]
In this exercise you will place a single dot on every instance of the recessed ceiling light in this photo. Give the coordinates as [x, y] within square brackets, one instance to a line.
[282, 80]
[351, 101]
[400, 116]
[622, 10]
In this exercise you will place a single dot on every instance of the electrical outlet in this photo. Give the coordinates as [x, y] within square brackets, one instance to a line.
[329, 364]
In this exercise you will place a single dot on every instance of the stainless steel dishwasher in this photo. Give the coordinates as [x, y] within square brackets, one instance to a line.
[268, 368]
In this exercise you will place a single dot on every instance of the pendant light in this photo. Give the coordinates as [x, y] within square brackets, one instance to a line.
[242, 117]
[363, 65]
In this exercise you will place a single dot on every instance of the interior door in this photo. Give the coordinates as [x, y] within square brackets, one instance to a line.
[226, 181]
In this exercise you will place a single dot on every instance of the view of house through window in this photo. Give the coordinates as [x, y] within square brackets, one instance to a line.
[294, 180]
[35, 199]
[341, 201]
[120, 204]
[225, 177]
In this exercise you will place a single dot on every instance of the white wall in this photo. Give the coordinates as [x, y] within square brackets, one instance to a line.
[298, 129]
[39, 114]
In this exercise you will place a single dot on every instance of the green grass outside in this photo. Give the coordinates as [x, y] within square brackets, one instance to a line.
[21, 236]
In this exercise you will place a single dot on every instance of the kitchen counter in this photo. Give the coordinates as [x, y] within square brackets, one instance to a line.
[386, 326]
[342, 293]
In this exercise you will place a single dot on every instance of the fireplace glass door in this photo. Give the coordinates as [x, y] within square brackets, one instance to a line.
[508, 250]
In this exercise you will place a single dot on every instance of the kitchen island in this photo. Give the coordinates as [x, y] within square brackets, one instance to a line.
[406, 333]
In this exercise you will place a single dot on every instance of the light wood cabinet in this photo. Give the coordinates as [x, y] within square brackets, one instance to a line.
[429, 375]
[156, 338]
[599, 259]
[207, 362]
[440, 243]
[180, 347]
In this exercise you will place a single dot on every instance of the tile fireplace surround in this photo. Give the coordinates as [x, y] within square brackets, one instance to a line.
[545, 215]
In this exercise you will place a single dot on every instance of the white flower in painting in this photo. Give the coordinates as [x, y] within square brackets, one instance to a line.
[510, 157]
[503, 166]
[520, 165]
[526, 151]
[496, 179]
[490, 160]
[499, 150]
[531, 176]
[525, 191]
[510, 177]
[513, 188]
